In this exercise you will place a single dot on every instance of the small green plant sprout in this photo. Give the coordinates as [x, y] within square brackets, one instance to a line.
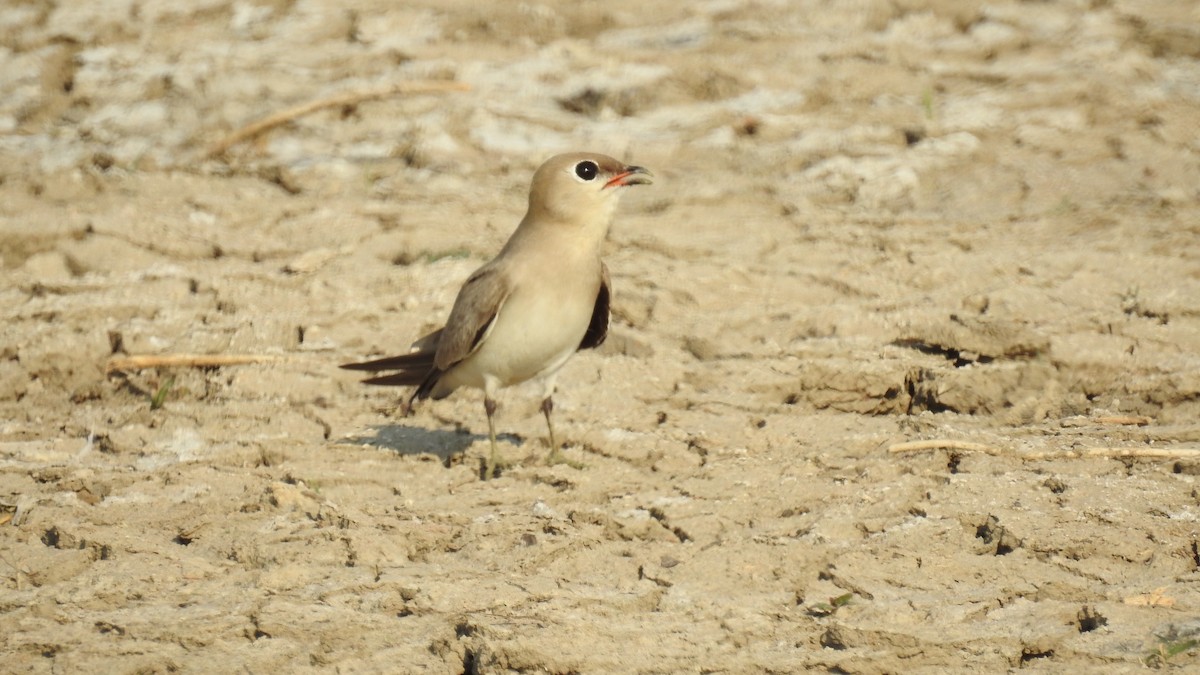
[830, 608]
[1172, 643]
[160, 396]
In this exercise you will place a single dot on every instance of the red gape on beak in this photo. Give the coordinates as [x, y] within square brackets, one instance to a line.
[632, 175]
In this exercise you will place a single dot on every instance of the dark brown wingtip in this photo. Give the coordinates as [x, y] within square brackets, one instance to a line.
[403, 378]
[412, 361]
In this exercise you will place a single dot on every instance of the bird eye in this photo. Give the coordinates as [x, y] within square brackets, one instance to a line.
[587, 169]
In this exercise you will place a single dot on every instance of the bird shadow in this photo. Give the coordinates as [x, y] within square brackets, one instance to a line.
[412, 441]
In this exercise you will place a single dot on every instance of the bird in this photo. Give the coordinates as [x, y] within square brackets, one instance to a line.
[545, 296]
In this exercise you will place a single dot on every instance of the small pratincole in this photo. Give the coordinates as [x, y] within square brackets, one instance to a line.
[544, 297]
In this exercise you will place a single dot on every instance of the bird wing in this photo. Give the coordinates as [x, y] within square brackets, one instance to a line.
[475, 311]
[597, 329]
[471, 320]
[420, 358]
[427, 343]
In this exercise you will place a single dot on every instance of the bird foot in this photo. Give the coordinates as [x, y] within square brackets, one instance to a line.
[494, 466]
[556, 457]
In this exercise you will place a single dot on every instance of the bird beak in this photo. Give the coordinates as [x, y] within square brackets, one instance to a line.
[632, 175]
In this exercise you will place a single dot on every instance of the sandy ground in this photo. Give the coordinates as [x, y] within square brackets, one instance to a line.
[875, 223]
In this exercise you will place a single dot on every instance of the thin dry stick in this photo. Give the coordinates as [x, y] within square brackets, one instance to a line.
[1143, 453]
[1111, 453]
[943, 444]
[1132, 420]
[269, 122]
[185, 361]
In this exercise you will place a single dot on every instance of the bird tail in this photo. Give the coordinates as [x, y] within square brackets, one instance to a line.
[412, 370]
[415, 366]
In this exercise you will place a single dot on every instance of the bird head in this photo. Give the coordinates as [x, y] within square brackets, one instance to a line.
[581, 188]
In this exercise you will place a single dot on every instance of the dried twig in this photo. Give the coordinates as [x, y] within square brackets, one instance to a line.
[1156, 598]
[258, 127]
[185, 361]
[1140, 453]
[1132, 420]
[943, 444]
[1112, 453]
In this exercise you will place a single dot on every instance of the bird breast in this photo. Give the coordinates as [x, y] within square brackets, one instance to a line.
[537, 329]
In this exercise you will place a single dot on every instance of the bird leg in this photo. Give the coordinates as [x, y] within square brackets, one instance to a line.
[489, 406]
[556, 456]
[547, 408]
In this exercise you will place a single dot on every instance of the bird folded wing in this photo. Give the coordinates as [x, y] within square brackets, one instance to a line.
[427, 343]
[475, 311]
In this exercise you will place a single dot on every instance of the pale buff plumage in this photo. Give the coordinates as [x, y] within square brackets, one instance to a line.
[541, 299]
